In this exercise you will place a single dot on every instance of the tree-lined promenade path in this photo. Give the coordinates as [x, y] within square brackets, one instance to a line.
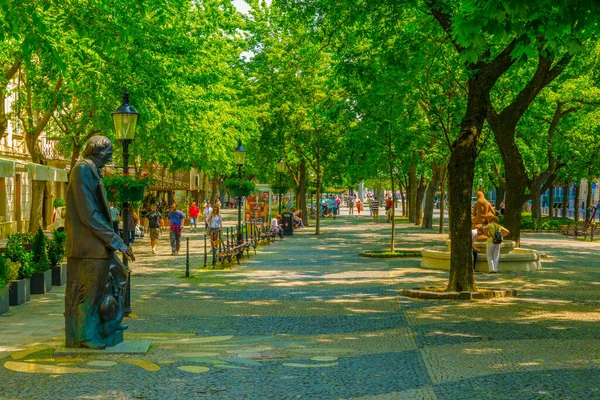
[306, 318]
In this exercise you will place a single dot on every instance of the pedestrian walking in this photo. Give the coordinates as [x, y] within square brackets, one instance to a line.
[375, 209]
[358, 206]
[351, 205]
[132, 219]
[370, 203]
[215, 227]
[154, 216]
[193, 212]
[176, 218]
[474, 234]
[389, 203]
[207, 212]
[495, 234]
[114, 216]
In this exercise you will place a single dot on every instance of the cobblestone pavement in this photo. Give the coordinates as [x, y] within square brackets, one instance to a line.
[306, 318]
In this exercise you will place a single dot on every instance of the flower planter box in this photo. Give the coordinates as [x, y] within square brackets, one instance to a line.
[18, 292]
[41, 282]
[4, 300]
[59, 275]
[129, 194]
[239, 192]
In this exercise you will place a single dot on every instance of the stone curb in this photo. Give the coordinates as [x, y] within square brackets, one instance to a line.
[485, 293]
[399, 255]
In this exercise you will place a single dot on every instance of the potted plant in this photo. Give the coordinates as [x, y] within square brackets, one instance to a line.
[41, 280]
[237, 187]
[281, 189]
[59, 203]
[126, 187]
[56, 253]
[19, 271]
[4, 301]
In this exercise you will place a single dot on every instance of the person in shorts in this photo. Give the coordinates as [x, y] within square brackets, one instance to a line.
[207, 212]
[193, 212]
[215, 226]
[154, 216]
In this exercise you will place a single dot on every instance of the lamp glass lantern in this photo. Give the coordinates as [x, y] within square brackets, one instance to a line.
[280, 166]
[125, 119]
[239, 154]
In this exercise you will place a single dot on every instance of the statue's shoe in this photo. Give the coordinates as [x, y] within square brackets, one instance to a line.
[122, 327]
[93, 344]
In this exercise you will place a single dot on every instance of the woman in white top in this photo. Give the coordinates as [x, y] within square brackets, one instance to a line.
[215, 226]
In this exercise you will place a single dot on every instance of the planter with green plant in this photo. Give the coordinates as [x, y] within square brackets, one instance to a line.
[41, 280]
[19, 267]
[58, 203]
[4, 300]
[239, 187]
[56, 253]
[126, 187]
[281, 189]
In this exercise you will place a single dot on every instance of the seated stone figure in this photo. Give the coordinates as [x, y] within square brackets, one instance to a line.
[482, 211]
[95, 276]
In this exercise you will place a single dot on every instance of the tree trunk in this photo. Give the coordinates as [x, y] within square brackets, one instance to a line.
[301, 204]
[412, 194]
[214, 188]
[500, 192]
[565, 206]
[536, 206]
[588, 199]
[444, 176]
[419, 200]
[577, 197]
[430, 196]
[551, 201]
[402, 199]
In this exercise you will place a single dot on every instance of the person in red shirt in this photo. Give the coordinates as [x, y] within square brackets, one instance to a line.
[194, 211]
[388, 208]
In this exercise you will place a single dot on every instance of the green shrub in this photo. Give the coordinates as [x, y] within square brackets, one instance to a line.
[59, 203]
[40, 256]
[56, 247]
[15, 252]
[546, 224]
[27, 269]
[12, 269]
[3, 272]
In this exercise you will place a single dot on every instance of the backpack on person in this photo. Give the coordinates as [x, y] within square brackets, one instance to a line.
[497, 237]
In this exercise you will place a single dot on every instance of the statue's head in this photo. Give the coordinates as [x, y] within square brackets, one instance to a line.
[100, 148]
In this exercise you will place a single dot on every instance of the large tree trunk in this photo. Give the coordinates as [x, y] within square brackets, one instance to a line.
[430, 196]
[402, 199]
[419, 200]
[565, 206]
[500, 192]
[577, 197]
[412, 194]
[214, 188]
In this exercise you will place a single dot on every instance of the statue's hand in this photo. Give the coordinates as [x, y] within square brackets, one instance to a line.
[128, 253]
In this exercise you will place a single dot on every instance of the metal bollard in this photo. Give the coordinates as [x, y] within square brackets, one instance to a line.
[205, 254]
[187, 257]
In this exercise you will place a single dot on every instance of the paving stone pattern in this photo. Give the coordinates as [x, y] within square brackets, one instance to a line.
[307, 318]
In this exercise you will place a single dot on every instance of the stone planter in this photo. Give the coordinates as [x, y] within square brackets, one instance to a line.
[18, 292]
[4, 300]
[41, 282]
[59, 275]
[239, 192]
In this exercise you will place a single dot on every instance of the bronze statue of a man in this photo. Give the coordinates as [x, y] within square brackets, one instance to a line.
[95, 276]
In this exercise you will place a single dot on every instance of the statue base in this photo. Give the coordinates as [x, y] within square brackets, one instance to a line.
[125, 347]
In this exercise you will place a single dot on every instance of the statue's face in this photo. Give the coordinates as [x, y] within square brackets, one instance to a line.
[105, 156]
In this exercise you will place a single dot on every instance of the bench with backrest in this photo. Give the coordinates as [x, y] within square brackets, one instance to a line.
[580, 228]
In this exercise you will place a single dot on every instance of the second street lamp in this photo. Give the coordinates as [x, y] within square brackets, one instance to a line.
[239, 156]
[280, 168]
[125, 120]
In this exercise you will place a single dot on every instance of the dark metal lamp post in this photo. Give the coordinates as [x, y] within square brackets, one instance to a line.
[280, 168]
[239, 156]
[125, 120]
